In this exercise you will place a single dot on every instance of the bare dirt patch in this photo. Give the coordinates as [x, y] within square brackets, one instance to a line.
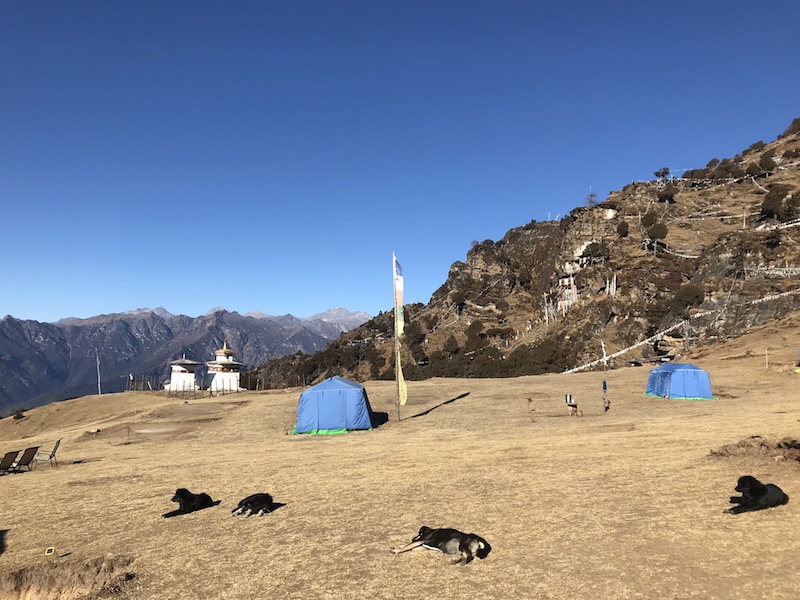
[193, 410]
[756, 446]
[65, 579]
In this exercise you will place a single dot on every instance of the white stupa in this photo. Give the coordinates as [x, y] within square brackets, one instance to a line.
[183, 377]
[224, 371]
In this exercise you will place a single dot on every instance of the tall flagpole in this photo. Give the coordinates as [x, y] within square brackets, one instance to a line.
[396, 364]
[97, 357]
[397, 276]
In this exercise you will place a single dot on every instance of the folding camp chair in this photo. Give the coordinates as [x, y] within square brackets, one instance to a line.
[47, 456]
[25, 460]
[8, 461]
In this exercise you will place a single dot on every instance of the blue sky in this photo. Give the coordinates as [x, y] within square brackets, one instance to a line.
[272, 155]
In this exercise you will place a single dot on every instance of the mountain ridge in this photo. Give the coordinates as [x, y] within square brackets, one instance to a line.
[721, 241]
[46, 362]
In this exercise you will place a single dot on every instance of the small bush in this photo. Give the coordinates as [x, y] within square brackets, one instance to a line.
[793, 128]
[767, 163]
[773, 239]
[657, 231]
[19, 414]
[623, 229]
[667, 195]
[712, 163]
[688, 295]
[753, 170]
[773, 205]
[450, 347]
[756, 146]
[649, 219]
[792, 210]
[596, 252]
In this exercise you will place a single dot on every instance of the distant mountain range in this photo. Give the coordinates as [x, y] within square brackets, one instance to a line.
[46, 362]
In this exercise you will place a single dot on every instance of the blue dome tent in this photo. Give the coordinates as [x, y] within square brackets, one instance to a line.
[336, 405]
[679, 382]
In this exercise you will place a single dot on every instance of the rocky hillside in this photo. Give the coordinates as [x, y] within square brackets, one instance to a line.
[43, 362]
[662, 264]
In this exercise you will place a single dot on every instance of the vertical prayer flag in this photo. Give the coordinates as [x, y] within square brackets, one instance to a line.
[402, 392]
[398, 296]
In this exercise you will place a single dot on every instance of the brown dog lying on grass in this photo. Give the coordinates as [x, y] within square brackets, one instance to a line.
[756, 496]
[449, 541]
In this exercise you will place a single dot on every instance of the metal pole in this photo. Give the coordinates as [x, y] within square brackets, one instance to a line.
[396, 361]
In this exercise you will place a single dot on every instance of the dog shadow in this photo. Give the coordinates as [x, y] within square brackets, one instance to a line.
[275, 506]
[176, 512]
[433, 408]
[3, 533]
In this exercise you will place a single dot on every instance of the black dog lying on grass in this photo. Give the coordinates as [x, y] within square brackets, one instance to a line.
[258, 504]
[189, 502]
[450, 541]
[756, 496]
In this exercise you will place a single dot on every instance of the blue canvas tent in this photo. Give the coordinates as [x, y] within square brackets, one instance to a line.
[679, 382]
[336, 405]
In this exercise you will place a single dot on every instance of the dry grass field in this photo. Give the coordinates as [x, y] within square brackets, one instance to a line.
[623, 504]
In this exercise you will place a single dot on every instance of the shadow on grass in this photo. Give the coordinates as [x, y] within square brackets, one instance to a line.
[433, 408]
[175, 513]
[3, 533]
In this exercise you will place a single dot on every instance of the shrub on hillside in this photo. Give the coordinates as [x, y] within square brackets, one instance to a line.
[450, 347]
[502, 333]
[623, 229]
[657, 231]
[793, 128]
[753, 170]
[459, 299]
[686, 296]
[697, 174]
[773, 205]
[792, 209]
[767, 163]
[649, 219]
[667, 195]
[655, 313]
[755, 146]
[413, 335]
[474, 339]
[773, 239]
[488, 363]
[595, 252]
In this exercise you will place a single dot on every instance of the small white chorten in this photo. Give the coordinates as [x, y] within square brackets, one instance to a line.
[183, 377]
[224, 371]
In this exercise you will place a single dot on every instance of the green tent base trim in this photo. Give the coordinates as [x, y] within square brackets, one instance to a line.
[323, 431]
[676, 397]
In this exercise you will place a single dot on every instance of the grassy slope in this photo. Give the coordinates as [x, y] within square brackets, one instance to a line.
[624, 504]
